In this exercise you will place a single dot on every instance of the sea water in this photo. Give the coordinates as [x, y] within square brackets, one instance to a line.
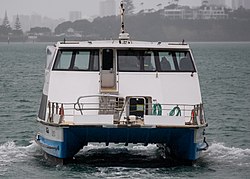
[224, 71]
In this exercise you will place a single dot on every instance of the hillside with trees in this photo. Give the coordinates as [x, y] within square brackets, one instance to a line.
[147, 24]
[155, 27]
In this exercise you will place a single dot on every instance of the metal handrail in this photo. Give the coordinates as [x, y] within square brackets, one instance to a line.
[167, 108]
[90, 96]
[186, 109]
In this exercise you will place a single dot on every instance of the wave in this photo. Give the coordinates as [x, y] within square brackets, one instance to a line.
[131, 147]
[11, 153]
[119, 148]
[219, 153]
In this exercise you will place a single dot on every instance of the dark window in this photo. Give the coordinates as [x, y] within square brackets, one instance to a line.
[77, 60]
[107, 59]
[136, 60]
[154, 60]
[175, 61]
[43, 105]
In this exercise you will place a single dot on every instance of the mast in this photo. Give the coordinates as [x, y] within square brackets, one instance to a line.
[123, 35]
[122, 17]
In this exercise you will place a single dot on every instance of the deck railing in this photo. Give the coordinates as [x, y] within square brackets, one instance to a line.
[114, 105]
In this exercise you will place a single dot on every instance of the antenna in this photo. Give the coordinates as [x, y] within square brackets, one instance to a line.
[123, 35]
[122, 17]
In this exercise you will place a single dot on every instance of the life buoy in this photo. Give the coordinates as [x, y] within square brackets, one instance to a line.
[157, 109]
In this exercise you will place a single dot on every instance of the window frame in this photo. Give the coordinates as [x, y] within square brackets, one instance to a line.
[157, 60]
[141, 59]
[91, 65]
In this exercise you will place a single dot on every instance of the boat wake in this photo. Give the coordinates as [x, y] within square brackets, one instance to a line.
[221, 154]
[122, 156]
[151, 156]
[10, 154]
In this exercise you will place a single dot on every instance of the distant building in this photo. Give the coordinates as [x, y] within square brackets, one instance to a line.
[107, 8]
[75, 15]
[214, 3]
[203, 12]
[212, 12]
[240, 3]
[180, 13]
[173, 13]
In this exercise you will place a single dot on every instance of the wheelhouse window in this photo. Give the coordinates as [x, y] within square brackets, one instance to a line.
[175, 61]
[154, 60]
[136, 60]
[77, 60]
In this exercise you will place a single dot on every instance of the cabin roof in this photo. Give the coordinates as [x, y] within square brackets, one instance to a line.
[123, 44]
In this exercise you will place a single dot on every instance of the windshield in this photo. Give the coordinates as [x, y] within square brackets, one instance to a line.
[77, 60]
[162, 61]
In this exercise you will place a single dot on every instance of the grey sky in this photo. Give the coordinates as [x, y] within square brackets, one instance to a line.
[60, 8]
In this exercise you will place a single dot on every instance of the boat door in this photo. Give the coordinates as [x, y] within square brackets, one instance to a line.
[108, 71]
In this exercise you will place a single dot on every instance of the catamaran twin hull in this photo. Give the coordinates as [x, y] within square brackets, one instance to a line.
[121, 92]
[63, 142]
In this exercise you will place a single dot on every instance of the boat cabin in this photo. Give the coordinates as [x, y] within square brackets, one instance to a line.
[129, 79]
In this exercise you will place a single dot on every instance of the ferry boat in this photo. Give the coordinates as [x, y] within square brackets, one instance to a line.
[121, 91]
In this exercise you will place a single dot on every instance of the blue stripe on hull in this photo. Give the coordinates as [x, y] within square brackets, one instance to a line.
[54, 148]
[181, 141]
[63, 150]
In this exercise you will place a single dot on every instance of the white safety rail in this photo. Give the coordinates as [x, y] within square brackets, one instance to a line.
[112, 108]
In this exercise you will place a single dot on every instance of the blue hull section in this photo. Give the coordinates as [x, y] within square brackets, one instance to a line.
[181, 141]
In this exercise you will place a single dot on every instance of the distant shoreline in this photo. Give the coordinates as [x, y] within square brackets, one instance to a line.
[139, 28]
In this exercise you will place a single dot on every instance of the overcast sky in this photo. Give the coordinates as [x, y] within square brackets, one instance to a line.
[61, 8]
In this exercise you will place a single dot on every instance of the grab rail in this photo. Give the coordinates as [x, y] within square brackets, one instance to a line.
[112, 105]
[91, 96]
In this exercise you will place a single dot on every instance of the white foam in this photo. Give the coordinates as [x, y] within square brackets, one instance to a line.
[11, 153]
[220, 153]
[131, 147]
[93, 148]
[148, 147]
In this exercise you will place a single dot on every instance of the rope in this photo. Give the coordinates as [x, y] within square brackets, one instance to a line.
[176, 111]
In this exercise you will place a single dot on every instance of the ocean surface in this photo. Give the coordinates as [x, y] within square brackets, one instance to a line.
[224, 71]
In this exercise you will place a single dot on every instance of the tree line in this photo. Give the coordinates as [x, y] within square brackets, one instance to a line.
[155, 27]
[152, 26]
[5, 28]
